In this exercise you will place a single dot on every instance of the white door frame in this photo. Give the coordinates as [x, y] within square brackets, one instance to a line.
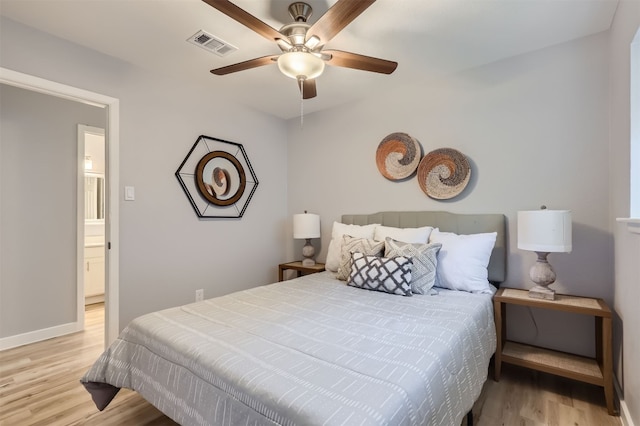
[634, 198]
[112, 107]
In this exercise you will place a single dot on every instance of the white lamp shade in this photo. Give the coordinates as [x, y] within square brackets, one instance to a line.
[300, 64]
[545, 231]
[306, 225]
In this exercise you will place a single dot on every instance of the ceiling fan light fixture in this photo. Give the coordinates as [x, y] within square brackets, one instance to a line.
[300, 65]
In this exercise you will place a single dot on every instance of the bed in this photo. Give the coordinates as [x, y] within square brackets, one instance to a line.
[314, 350]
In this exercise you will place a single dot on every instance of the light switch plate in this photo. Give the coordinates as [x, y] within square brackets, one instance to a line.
[129, 193]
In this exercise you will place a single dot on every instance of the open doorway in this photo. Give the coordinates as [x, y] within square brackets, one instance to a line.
[111, 108]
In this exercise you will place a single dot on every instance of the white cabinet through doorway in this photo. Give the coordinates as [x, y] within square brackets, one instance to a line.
[93, 274]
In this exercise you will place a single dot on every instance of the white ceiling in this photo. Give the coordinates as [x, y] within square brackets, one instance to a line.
[428, 38]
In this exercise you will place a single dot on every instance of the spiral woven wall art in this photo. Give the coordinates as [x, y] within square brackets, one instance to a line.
[398, 156]
[443, 173]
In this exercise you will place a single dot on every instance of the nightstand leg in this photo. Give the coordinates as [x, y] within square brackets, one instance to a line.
[599, 345]
[280, 273]
[604, 324]
[500, 314]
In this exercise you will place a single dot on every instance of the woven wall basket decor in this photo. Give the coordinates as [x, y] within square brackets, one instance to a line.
[443, 173]
[398, 156]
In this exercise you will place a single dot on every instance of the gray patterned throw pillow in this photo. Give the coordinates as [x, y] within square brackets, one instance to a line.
[425, 260]
[391, 275]
[351, 245]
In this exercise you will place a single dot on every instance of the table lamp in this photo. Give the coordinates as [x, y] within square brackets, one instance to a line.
[544, 231]
[306, 226]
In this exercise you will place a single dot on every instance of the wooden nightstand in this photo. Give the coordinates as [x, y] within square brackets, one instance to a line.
[597, 371]
[297, 266]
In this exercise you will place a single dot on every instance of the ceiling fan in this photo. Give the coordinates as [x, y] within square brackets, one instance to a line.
[303, 57]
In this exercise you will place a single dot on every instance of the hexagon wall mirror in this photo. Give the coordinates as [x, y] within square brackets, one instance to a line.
[217, 178]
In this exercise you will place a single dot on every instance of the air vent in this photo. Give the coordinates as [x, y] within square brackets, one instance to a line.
[211, 43]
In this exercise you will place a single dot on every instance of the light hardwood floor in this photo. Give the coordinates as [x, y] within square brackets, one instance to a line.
[39, 385]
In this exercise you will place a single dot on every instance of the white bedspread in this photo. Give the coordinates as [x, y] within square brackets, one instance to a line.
[310, 351]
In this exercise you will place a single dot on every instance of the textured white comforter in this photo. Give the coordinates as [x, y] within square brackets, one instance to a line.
[310, 351]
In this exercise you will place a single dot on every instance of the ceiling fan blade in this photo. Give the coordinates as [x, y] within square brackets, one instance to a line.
[241, 66]
[337, 17]
[308, 88]
[360, 62]
[245, 18]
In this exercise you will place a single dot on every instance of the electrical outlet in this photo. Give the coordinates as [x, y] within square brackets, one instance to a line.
[199, 295]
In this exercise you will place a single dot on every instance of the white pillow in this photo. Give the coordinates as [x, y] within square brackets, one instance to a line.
[463, 260]
[405, 235]
[334, 253]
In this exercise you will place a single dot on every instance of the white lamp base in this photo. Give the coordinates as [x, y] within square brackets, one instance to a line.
[543, 275]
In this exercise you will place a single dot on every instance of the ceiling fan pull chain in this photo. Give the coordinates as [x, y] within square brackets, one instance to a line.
[301, 83]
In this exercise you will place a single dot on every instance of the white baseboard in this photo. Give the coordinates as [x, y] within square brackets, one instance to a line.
[625, 416]
[38, 335]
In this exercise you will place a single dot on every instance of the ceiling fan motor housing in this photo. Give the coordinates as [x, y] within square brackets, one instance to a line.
[300, 11]
[296, 32]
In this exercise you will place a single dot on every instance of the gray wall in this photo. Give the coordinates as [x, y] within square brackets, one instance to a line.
[627, 247]
[535, 128]
[38, 180]
[166, 252]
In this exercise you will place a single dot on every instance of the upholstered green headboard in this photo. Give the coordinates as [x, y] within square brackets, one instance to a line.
[448, 222]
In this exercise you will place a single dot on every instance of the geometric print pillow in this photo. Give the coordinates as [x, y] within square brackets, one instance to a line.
[352, 245]
[388, 274]
[424, 258]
